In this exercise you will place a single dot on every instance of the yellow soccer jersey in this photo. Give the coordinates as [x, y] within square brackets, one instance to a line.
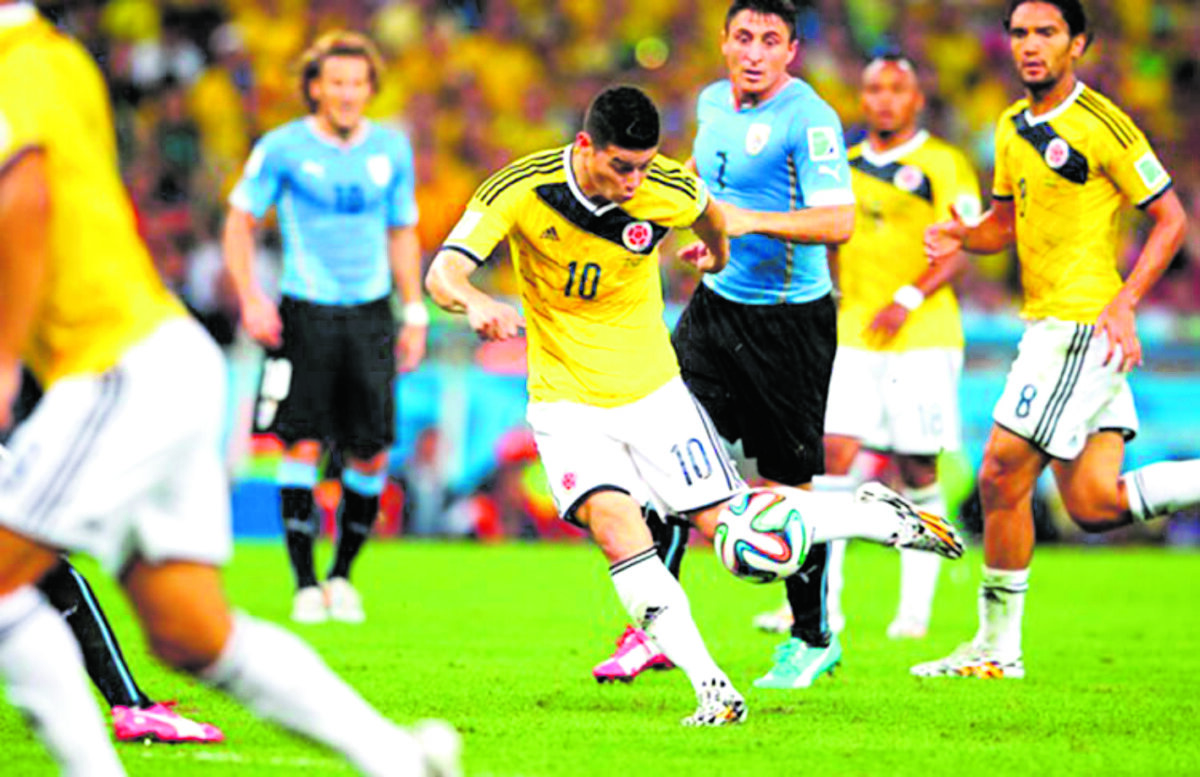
[588, 273]
[899, 193]
[1069, 171]
[101, 292]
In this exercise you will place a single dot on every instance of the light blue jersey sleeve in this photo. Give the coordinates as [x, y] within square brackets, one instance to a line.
[262, 178]
[402, 201]
[819, 154]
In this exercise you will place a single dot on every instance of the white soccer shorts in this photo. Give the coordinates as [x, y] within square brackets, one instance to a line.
[899, 401]
[1059, 391]
[128, 463]
[661, 449]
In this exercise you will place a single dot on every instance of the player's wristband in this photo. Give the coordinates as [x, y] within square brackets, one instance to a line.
[415, 314]
[908, 297]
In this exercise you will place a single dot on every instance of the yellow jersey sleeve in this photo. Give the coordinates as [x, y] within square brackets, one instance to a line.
[963, 191]
[1133, 167]
[20, 117]
[681, 197]
[487, 220]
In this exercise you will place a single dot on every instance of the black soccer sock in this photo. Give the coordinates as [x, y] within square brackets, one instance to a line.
[354, 526]
[70, 594]
[806, 596]
[670, 538]
[300, 525]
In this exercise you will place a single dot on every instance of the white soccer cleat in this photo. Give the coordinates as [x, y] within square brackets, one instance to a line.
[718, 704]
[345, 604]
[969, 660]
[904, 628]
[775, 621]
[308, 605]
[441, 747]
[919, 530]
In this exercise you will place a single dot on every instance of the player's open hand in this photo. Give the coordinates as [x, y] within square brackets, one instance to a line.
[1118, 323]
[887, 323]
[698, 256]
[945, 239]
[260, 316]
[495, 320]
[410, 347]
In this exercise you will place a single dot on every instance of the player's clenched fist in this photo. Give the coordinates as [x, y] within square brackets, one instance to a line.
[495, 320]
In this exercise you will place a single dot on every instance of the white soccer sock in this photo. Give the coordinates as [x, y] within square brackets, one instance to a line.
[829, 516]
[657, 603]
[919, 569]
[1162, 488]
[835, 576]
[1001, 609]
[43, 671]
[279, 677]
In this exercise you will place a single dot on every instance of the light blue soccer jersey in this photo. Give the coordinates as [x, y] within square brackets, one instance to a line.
[785, 154]
[334, 205]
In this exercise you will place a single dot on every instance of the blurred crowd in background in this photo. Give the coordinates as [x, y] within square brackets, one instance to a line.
[476, 83]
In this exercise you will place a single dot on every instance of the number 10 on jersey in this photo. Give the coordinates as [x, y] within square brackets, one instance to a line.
[582, 283]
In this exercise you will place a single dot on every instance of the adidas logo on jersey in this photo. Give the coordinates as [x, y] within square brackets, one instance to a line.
[550, 234]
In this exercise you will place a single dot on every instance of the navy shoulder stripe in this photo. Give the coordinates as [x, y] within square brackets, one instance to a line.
[515, 168]
[1108, 119]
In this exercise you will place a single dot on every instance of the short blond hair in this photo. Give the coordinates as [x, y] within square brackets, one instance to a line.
[339, 43]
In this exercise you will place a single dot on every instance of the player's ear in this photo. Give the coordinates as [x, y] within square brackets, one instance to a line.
[583, 140]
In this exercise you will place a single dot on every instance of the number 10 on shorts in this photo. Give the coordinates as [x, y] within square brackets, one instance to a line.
[693, 460]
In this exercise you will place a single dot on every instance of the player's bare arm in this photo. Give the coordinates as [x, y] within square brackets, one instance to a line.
[1117, 319]
[712, 253]
[889, 320]
[404, 255]
[449, 284]
[827, 224]
[24, 222]
[994, 232]
[260, 315]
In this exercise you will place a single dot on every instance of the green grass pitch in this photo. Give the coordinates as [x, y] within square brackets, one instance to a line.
[501, 640]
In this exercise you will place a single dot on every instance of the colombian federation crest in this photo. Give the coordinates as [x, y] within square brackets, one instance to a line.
[637, 236]
[908, 178]
[757, 136]
[379, 167]
[1057, 153]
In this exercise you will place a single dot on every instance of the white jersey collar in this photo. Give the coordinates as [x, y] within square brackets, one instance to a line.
[361, 133]
[885, 158]
[1058, 109]
[573, 185]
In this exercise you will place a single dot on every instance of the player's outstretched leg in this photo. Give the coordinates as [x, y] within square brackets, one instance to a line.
[275, 674]
[136, 716]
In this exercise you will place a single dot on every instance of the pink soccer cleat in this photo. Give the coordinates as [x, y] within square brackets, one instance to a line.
[161, 723]
[636, 653]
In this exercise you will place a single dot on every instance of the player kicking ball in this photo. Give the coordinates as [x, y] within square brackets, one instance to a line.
[614, 423]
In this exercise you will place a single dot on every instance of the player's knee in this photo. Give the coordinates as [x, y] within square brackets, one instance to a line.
[995, 483]
[185, 647]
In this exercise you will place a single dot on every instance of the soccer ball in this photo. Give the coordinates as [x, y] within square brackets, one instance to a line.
[760, 536]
